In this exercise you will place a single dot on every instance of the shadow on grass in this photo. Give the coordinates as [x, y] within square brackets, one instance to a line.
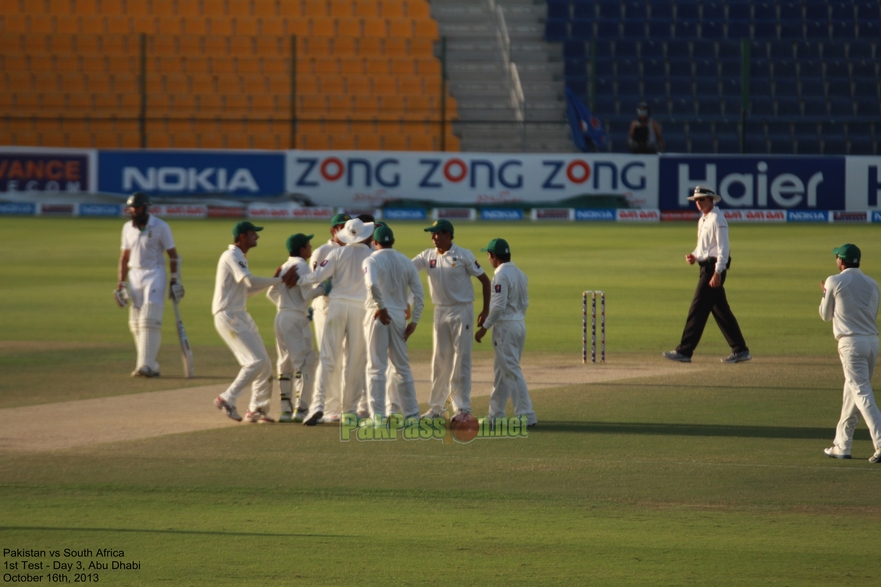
[184, 532]
[693, 430]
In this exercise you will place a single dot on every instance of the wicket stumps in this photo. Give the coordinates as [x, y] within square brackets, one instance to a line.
[593, 326]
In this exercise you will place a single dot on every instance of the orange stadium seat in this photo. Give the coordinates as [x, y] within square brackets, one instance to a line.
[115, 24]
[422, 142]
[59, 7]
[10, 6]
[218, 25]
[107, 7]
[222, 64]
[213, 8]
[125, 82]
[157, 139]
[105, 139]
[195, 26]
[396, 47]
[290, 8]
[370, 142]
[34, 6]
[67, 24]
[10, 43]
[27, 104]
[348, 27]
[375, 27]
[15, 23]
[339, 105]
[322, 27]
[385, 85]
[238, 8]
[266, 8]
[312, 104]
[255, 83]
[216, 45]
[342, 142]
[419, 9]
[341, 8]
[394, 142]
[176, 83]
[377, 66]
[246, 25]
[425, 28]
[281, 84]
[315, 8]
[163, 8]
[137, 7]
[403, 67]
[313, 141]
[351, 66]
[238, 140]
[366, 104]
[169, 25]
[269, 47]
[392, 9]
[358, 85]
[345, 47]
[188, 8]
[235, 105]
[366, 8]
[196, 64]
[370, 47]
[264, 141]
[420, 47]
[16, 63]
[400, 27]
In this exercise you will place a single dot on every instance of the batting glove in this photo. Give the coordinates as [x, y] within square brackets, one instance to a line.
[120, 294]
[177, 291]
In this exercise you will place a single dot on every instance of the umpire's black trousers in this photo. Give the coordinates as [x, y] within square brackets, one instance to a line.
[709, 300]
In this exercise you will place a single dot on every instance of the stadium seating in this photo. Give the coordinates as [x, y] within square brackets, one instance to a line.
[220, 74]
[813, 70]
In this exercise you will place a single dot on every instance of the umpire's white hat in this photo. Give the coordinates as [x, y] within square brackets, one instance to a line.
[702, 191]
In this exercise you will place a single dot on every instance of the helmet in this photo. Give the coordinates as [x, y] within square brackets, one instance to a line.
[138, 199]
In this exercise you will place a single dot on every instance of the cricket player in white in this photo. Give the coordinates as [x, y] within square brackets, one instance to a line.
[333, 401]
[145, 240]
[293, 335]
[450, 269]
[850, 301]
[345, 319]
[232, 286]
[389, 276]
[507, 315]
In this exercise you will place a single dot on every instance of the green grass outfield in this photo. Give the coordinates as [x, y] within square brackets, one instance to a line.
[708, 475]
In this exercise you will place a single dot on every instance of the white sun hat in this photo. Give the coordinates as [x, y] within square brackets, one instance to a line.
[356, 231]
[702, 191]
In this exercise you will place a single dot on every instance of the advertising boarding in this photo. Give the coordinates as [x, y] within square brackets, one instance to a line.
[755, 183]
[347, 178]
[863, 183]
[46, 171]
[193, 174]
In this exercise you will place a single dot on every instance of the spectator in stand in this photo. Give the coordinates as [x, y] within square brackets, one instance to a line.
[645, 135]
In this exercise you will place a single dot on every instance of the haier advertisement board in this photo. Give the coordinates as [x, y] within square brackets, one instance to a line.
[191, 173]
[863, 183]
[754, 182]
[346, 178]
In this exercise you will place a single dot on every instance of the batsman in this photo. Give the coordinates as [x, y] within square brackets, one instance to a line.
[145, 241]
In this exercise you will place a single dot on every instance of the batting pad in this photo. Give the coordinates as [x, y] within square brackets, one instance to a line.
[151, 333]
[134, 318]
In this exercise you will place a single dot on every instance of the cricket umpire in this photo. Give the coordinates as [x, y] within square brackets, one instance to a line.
[450, 269]
[850, 301]
[713, 255]
[144, 241]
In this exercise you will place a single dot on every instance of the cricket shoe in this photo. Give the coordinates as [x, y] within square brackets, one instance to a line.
[737, 357]
[313, 418]
[330, 418]
[431, 414]
[363, 414]
[300, 415]
[876, 458]
[258, 416]
[227, 408]
[145, 371]
[838, 453]
[286, 417]
[677, 356]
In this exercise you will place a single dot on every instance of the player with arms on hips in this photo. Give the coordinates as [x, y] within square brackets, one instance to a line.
[389, 276]
[232, 287]
[345, 319]
[850, 301]
[320, 306]
[144, 242]
[507, 318]
[450, 269]
[293, 336]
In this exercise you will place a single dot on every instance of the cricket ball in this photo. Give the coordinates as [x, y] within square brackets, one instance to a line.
[464, 427]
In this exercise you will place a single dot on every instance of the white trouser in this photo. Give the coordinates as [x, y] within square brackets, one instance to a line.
[384, 343]
[343, 333]
[293, 343]
[333, 400]
[239, 332]
[146, 288]
[451, 358]
[858, 355]
[508, 339]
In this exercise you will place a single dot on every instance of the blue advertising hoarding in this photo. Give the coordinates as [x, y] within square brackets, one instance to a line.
[404, 214]
[191, 173]
[753, 182]
[596, 215]
[807, 216]
[508, 214]
[29, 170]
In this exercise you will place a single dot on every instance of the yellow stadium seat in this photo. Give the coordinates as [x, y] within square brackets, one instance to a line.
[375, 27]
[418, 9]
[194, 25]
[220, 26]
[238, 8]
[246, 25]
[369, 142]
[394, 142]
[366, 8]
[341, 8]
[15, 23]
[425, 28]
[188, 8]
[163, 7]
[396, 47]
[315, 8]
[385, 85]
[392, 9]
[370, 47]
[400, 27]
[348, 27]
[264, 141]
[266, 8]
[322, 26]
[378, 66]
[290, 8]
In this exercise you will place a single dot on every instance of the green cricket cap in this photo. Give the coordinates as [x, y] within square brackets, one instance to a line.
[297, 242]
[442, 225]
[497, 246]
[848, 253]
[383, 235]
[340, 219]
[243, 227]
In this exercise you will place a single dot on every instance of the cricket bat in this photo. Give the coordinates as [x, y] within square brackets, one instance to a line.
[186, 352]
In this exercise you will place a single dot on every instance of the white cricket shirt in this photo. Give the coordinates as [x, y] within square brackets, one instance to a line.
[147, 246]
[234, 282]
[510, 297]
[712, 239]
[389, 275]
[851, 302]
[295, 298]
[449, 274]
[344, 266]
